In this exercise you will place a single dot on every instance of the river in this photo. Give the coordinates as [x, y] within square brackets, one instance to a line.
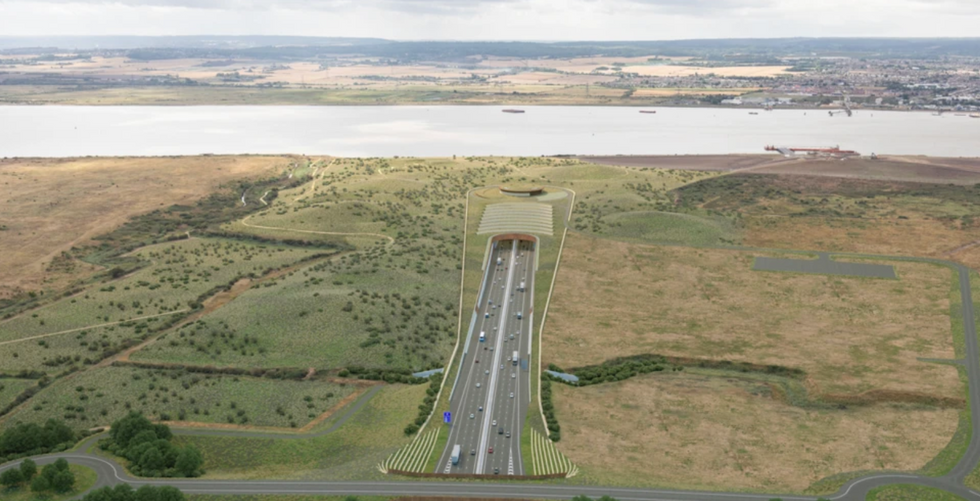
[64, 131]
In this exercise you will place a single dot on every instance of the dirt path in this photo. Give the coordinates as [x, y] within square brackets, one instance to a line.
[93, 327]
[954, 251]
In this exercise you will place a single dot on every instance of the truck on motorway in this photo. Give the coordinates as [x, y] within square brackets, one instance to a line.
[521, 288]
[455, 456]
[517, 357]
[483, 336]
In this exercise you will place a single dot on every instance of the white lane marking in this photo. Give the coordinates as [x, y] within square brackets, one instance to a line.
[468, 381]
[491, 387]
[510, 463]
[449, 466]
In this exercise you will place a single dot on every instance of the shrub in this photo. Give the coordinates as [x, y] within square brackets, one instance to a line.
[28, 469]
[33, 439]
[147, 446]
[11, 477]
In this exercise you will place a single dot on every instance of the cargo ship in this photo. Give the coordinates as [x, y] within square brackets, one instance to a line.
[513, 111]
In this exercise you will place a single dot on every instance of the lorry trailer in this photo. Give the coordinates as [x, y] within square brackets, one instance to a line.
[455, 456]
[517, 357]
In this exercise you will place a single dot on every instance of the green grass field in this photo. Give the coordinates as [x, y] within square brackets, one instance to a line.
[85, 478]
[11, 387]
[80, 328]
[352, 452]
[100, 396]
[908, 492]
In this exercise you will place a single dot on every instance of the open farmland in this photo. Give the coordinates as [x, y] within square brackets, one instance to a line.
[51, 205]
[834, 214]
[352, 452]
[104, 317]
[683, 430]
[100, 396]
[849, 335]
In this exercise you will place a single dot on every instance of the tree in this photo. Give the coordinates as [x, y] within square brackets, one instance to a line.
[63, 481]
[61, 464]
[151, 462]
[11, 477]
[168, 493]
[189, 462]
[125, 429]
[146, 493]
[28, 469]
[40, 484]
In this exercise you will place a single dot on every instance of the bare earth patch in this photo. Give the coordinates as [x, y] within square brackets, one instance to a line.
[850, 335]
[690, 431]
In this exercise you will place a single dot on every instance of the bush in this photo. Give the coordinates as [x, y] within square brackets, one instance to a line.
[28, 469]
[427, 404]
[147, 446]
[40, 484]
[29, 438]
[11, 477]
[554, 430]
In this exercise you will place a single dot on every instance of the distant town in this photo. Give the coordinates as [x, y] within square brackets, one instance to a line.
[818, 73]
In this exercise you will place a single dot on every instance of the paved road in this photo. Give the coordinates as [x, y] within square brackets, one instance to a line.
[110, 473]
[493, 388]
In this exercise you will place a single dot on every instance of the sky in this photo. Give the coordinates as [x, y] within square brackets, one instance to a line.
[545, 20]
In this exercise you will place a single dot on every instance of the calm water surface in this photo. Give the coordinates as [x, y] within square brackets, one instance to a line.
[60, 131]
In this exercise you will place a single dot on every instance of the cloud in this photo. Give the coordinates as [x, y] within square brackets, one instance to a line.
[420, 6]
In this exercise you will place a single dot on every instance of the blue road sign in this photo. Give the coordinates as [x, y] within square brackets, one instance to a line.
[447, 416]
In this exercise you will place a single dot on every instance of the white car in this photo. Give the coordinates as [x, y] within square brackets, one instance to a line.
[486, 371]
[511, 394]
[512, 375]
[494, 423]
[477, 385]
[472, 416]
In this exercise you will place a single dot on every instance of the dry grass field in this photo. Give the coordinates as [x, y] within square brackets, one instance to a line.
[723, 71]
[850, 335]
[691, 431]
[685, 162]
[668, 91]
[50, 205]
[914, 169]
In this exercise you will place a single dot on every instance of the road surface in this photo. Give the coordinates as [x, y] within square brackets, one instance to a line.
[489, 416]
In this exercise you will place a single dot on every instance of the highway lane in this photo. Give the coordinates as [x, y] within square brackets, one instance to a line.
[489, 364]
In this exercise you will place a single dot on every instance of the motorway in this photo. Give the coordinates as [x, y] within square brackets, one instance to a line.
[491, 396]
[110, 473]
